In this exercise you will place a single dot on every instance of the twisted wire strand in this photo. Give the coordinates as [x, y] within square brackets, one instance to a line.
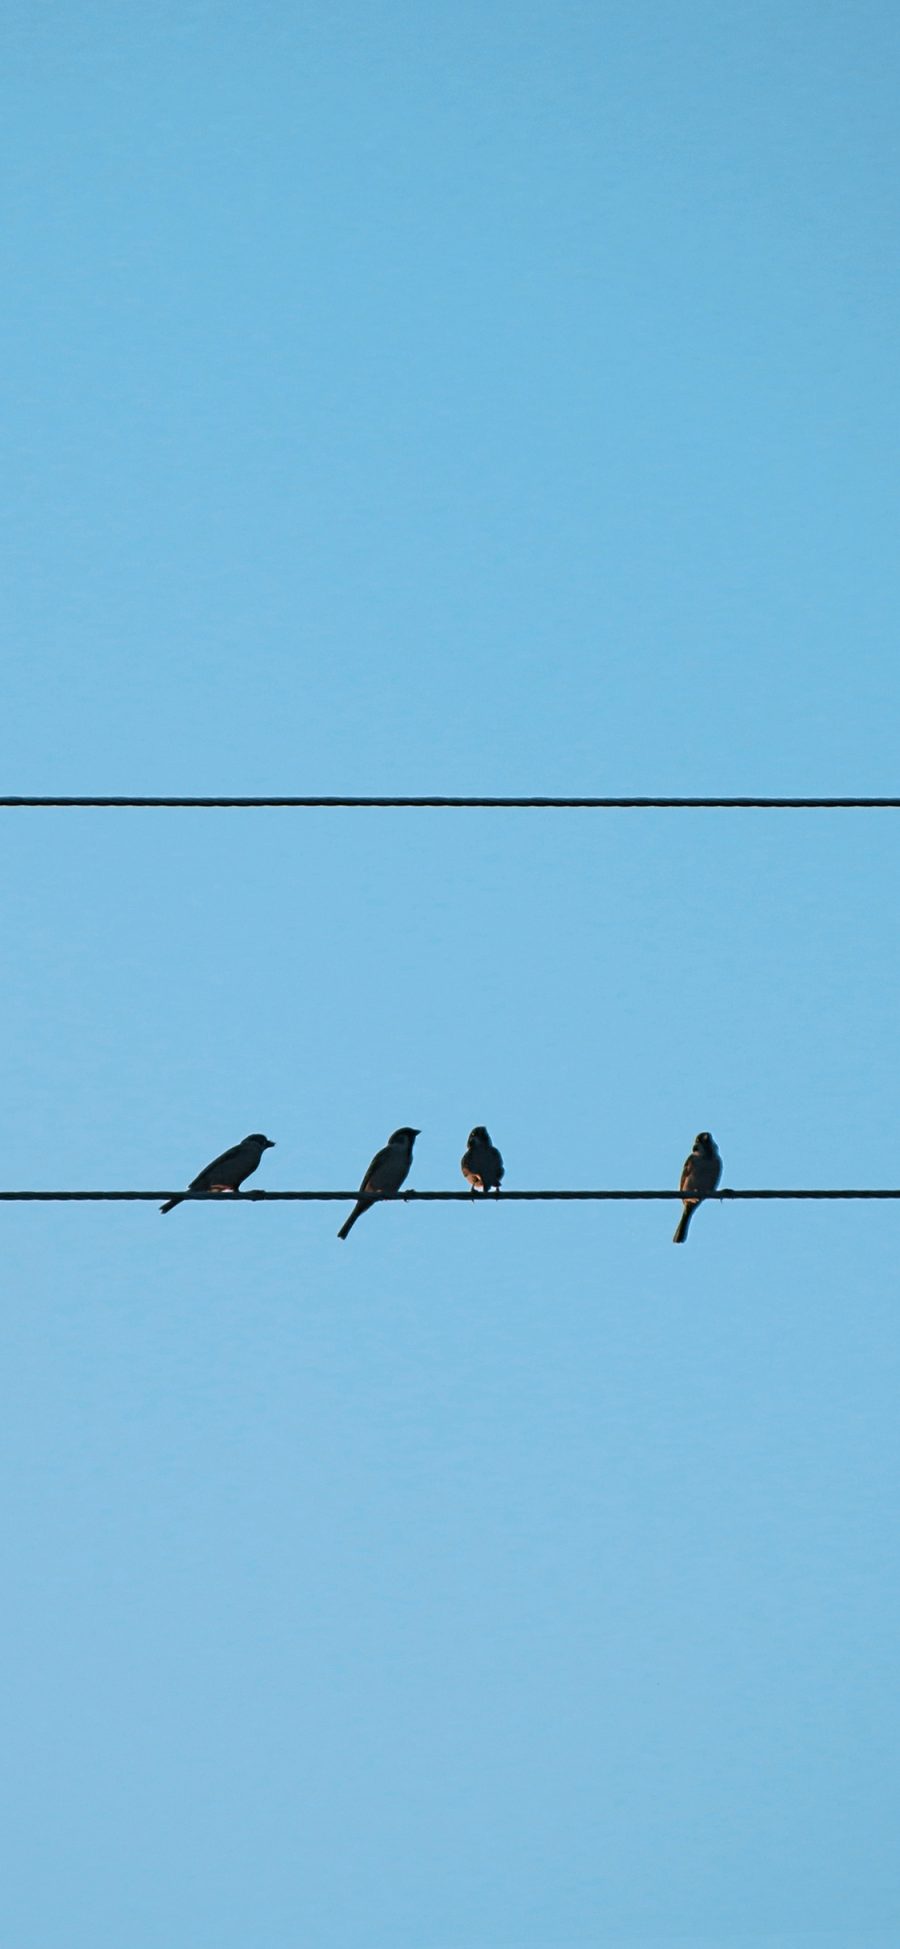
[457, 804]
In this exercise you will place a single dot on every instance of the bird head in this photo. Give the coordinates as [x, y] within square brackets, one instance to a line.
[479, 1135]
[405, 1135]
[265, 1143]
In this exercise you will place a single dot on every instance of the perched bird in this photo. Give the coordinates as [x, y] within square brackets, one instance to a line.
[701, 1174]
[227, 1173]
[481, 1163]
[387, 1171]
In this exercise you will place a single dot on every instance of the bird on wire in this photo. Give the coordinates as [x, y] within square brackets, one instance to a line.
[227, 1173]
[481, 1163]
[387, 1171]
[700, 1176]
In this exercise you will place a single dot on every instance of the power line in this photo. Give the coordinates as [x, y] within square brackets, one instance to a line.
[408, 1197]
[463, 804]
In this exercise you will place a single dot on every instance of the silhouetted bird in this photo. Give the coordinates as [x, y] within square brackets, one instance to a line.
[481, 1163]
[227, 1173]
[701, 1173]
[387, 1171]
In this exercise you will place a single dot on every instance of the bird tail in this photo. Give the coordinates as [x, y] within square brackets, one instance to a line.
[681, 1230]
[361, 1205]
[171, 1203]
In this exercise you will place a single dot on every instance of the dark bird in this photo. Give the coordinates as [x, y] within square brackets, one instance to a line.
[481, 1163]
[701, 1174]
[387, 1171]
[227, 1173]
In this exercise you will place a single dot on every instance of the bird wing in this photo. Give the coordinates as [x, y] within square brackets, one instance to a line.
[712, 1171]
[387, 1169]
[687, 1173]
[236, 1162]
[370, 1181]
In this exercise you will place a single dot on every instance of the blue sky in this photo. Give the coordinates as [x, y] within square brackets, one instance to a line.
[467, 400]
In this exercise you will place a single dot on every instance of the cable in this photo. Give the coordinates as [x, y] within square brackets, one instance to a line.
[458, 804]
[406, 1197]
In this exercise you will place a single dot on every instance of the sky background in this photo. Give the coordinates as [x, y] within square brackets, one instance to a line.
[450, 399]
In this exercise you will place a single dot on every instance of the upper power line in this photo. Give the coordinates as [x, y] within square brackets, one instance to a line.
[463, 804]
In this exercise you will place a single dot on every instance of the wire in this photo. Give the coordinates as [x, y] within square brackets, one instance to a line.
[458, 804]
[404, 1197]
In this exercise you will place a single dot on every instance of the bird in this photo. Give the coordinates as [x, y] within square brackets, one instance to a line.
[481, 1163]
[701, 1173]
[387, 1171]
[227, 1173]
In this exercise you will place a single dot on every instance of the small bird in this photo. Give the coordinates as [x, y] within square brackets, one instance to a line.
[387, 1171]
[701, 1173]
[227, 1173]
[481, 1163]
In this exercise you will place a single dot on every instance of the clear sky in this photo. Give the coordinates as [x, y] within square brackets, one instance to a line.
[475, 399]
